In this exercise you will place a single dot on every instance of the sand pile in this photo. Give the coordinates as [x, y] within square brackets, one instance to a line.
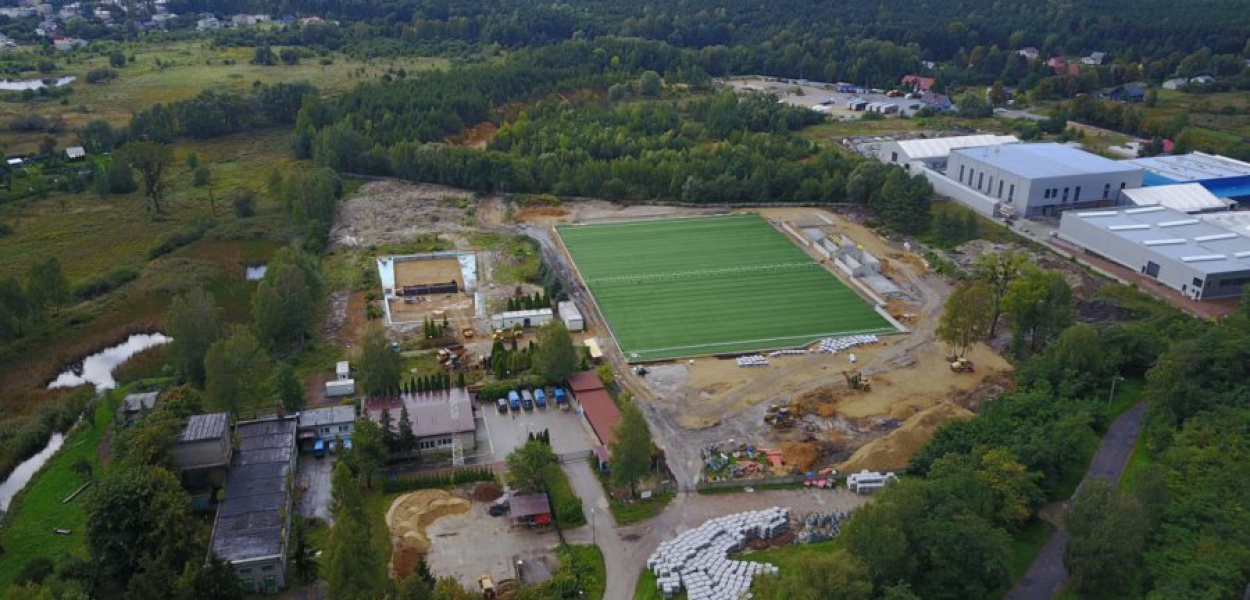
[893, 451]
[488, 491]
[407, 519]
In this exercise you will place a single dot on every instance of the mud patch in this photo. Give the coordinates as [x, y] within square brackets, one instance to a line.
[408, 518]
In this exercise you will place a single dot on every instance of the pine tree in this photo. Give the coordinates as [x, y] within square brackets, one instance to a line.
[387, 425]
[460, 379]
[407, 441]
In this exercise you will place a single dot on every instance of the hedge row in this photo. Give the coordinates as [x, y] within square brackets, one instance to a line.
[411, 483]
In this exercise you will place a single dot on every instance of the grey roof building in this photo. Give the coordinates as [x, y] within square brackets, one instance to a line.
[253, 520]
[204, 442]
[136, 403]
[1197, 258]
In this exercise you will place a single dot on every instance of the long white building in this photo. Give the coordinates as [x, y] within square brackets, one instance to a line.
[933, 153]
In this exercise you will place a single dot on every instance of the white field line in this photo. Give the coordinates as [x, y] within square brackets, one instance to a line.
[703, 272]
[810, 336]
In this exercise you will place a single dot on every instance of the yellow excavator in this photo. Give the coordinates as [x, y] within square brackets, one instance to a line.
[856, 380]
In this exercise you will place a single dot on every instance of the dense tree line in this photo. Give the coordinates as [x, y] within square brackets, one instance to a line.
[214, 113]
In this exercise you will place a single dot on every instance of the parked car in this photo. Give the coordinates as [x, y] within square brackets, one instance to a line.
[562, 400]
[502, 404]
[540, 398]
[319, 449]
[527, 400]
[514, 401]
[498, 510]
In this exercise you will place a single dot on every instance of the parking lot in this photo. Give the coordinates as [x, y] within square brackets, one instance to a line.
[457, 548]
[814, 94]
[506, 432]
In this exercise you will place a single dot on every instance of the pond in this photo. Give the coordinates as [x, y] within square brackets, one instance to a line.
[255, 272]
[97, 369]
[19, 85]
[27, 469]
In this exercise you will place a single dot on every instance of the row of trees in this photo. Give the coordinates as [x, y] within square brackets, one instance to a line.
[25, 303]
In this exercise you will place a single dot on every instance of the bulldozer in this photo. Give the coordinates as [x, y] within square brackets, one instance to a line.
[857, 381]
[962, 365]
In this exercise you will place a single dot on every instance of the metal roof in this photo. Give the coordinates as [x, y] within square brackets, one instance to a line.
[327, 416]
[1036, 161]
[529, 505]
[568, 308]
[432, 413]
[205, 427]
[251, 520]
[1196, 166]
[1184, 197]
[1204, 246]
[1235, 221]
[940, 147]
[520, 314]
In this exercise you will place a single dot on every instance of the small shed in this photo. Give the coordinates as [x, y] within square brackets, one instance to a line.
[75, 153]
[571, 316]
[592, 346]
[530, 509]
[343, 370]
[135, 404]
[340, 387]
[525, 318]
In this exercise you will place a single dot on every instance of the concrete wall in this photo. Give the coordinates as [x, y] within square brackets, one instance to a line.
[204, 453]
[945, 186]
[258, 573]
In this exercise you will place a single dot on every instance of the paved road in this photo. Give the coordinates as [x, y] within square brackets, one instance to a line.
[1046, 576]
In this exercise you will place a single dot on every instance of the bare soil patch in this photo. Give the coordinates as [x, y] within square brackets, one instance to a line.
[408, 518]
[414, 272]
[894, 450]
[390, 212]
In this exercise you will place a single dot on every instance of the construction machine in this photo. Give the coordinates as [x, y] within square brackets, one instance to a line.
[857, 381]
[781, 417]
[962, 365]
[488, 587]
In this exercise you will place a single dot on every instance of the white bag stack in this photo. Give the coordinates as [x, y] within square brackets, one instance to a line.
[836, 345]
[697, 560]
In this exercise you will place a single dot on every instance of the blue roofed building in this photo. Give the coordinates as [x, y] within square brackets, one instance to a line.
[1224, 177]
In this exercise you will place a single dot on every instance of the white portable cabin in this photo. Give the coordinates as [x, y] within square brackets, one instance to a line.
[340, 387]
[525, 318]
[867, 482]
[343, 370]
[571, 316]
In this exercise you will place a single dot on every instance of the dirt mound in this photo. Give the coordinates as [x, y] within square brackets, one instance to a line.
[895, 449]
[821, 400]
[800, 455]
[487, 492]
[543, 214]
[407, 519]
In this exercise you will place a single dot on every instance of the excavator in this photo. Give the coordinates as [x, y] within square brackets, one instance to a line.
[857, 381]
[781, 416]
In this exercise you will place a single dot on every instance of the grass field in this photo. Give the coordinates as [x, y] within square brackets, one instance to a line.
[690, 287]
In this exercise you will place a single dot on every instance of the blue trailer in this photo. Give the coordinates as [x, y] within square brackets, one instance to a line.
[540, 398]
[527, 400]
[514, 401]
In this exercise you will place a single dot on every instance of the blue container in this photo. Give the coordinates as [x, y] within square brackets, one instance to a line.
[540, 398]
[514, 400]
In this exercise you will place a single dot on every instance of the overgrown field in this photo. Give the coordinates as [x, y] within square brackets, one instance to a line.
[689, 287]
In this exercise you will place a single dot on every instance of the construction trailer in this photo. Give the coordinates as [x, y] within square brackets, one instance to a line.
[525, 318]
[571, 316]
[867, 482]
[340, 387]
[343, 370]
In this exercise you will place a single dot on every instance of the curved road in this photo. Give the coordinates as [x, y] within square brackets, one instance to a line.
[1046, 576]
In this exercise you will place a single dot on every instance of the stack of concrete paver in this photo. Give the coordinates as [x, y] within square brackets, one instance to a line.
[821, 526]
[838, 344]
[697, 560]
[754, 360]
[788, 352]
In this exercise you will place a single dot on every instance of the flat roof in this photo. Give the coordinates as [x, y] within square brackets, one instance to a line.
[1183, 197]
[251, 520]
[1201, 245]
[1235, 221]
[1043, 160]
[533, 312]
[1195, 166]
[205, 427]
[326, 416]
[940, 147]
[568, 308]
[529, 505]
[440, 412]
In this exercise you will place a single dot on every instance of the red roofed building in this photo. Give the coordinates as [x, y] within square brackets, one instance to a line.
[596, 405]
[918, 83]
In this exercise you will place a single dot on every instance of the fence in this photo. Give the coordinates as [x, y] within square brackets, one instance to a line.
[703, 486]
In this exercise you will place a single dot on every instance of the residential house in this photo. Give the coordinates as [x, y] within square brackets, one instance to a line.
[1202, 79]
[937, 101]
[75, 153]
[1030, 53]
[208, 23]
[325, 424]
[136, 405]
[917, 83]
[1175, 84]
[1129, 92]
[1095, 58]
[1060, 66]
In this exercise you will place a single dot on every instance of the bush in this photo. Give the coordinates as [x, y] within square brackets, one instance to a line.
[565, 504]
[244, 203]
[409, 483]
[105, 283]
[5, 229]
[178, 239]
[203, 176]
[101, 75]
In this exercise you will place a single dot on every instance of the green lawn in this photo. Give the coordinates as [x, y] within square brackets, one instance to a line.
[588, 562]
[1137, 461]
[698, 286]
[641, 510]
[28, 529]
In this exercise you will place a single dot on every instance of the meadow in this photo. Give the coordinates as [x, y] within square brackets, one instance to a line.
[690, 287]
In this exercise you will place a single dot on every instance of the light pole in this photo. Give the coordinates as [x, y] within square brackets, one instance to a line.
[1112, 395]
[593, 541]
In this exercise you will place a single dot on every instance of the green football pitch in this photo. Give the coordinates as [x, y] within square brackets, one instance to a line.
[710, 285]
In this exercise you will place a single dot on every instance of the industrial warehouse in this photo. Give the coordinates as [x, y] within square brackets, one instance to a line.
[1199, 259]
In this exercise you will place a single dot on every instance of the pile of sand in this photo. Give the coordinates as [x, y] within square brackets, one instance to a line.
[894, 450]
[487, 491]
[407, 519]
[800, 455]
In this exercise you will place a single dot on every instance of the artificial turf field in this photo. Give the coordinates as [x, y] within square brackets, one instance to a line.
[710, 285]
